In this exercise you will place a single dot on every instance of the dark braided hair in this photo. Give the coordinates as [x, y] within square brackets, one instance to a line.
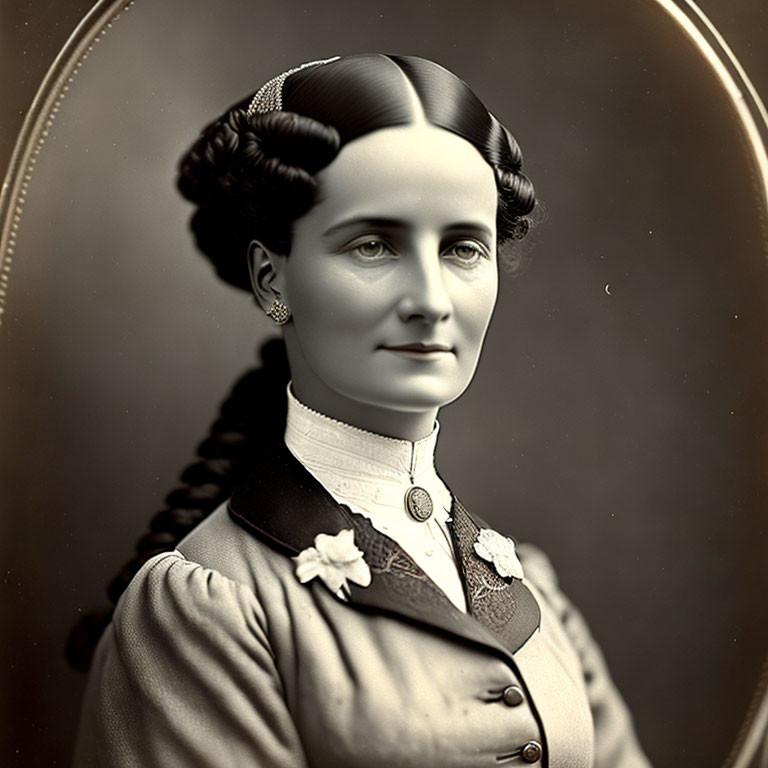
[250, 178]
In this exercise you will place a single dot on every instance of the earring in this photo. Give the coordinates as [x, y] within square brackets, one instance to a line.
[279, 312]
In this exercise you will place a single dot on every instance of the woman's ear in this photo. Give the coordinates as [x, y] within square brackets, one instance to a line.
[264, 267]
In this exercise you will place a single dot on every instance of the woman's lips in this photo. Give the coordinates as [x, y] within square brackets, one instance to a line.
[419, 351]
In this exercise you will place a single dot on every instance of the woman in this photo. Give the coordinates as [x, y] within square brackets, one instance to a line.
[341, 607]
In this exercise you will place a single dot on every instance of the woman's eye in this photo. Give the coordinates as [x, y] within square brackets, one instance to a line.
[371, 250]
[467, 252]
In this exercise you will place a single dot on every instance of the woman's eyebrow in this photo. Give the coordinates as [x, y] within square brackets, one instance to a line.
[364, 222]
[474, 227]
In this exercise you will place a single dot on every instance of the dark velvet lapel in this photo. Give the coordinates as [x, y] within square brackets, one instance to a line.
[283, 504]
[505, 606]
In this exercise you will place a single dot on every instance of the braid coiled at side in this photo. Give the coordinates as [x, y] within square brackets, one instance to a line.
[517, 197]
[251, 178]
[255, 406]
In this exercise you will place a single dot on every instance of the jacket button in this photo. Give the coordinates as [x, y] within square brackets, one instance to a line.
[512, 696]
[531, 751]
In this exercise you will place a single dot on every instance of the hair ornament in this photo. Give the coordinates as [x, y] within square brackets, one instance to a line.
[269, 98]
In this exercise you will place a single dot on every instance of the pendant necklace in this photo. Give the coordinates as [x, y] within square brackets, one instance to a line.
[418, 502]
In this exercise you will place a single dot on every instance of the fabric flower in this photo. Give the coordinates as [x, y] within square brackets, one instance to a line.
[500, 551]
[335, 559]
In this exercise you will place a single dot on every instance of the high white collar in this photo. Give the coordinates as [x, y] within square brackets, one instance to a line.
[310, 431]
[369, 471]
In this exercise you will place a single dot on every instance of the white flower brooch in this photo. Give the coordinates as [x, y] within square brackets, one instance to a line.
[499, 550]
[336, 560]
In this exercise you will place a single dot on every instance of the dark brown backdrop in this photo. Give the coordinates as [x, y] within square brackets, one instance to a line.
[623, 433]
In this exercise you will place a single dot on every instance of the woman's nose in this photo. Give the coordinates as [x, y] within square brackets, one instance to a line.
[424, 293]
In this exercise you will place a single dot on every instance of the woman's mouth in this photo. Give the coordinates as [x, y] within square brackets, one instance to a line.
[419, 350]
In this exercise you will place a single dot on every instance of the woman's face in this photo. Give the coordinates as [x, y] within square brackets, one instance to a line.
[392, 279]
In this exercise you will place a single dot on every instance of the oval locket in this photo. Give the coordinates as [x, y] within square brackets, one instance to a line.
[418, 503]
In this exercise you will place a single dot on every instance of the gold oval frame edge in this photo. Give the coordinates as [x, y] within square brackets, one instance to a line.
[38, 121]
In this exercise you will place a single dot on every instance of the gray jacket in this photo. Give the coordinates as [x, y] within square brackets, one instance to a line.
[219, 656]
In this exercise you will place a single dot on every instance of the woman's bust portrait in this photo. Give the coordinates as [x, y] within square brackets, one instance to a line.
[364, 201]
[389, 549]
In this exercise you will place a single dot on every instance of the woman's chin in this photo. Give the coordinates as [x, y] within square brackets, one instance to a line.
[416, 394]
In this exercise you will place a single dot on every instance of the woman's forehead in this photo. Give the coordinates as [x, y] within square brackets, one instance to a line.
[407, 172]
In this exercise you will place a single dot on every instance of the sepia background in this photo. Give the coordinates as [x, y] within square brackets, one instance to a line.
[624, 429]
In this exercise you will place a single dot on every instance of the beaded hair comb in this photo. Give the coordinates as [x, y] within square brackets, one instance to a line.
[269, 97]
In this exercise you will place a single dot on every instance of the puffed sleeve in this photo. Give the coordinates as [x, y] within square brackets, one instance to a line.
[616, 744]
[184, 676]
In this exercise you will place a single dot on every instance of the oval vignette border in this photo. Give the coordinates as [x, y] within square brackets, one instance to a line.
[689, 18]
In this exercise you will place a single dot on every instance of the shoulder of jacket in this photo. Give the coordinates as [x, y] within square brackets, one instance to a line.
[537, 566]
[540, 572]
[219, 544]
[169, 591]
